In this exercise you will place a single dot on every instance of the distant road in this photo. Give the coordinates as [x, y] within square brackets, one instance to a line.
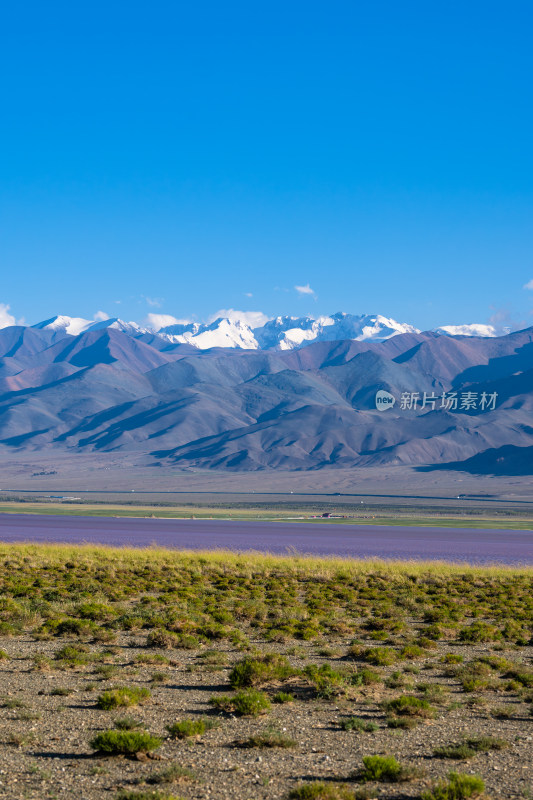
[476, 546]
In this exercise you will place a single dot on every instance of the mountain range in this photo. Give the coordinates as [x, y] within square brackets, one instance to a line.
[280, 333]
[117, 388]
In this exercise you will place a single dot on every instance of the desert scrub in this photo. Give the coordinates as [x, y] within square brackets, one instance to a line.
[458, 787]
[128, 724]
[479, 632]
[260, 671]
[270, 738]
[409, 706]
[358, 724]
[122, 697]
[470, 748]
[73, 656]
[283, 697]
[379, 656]
[384, 768]
[190, 727]
[322, 791]
[150, 795]
[326, 681]
[248, 703]
[174, 773]
[116, 742]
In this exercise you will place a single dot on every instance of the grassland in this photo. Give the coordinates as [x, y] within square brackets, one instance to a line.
[157, 674]
[311, 512]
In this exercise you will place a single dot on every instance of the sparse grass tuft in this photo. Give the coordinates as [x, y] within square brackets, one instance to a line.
[122, 697]
[115, 742]
[458, 787]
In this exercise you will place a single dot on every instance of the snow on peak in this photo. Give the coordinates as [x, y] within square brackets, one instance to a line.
[475, 329]
[70, 325]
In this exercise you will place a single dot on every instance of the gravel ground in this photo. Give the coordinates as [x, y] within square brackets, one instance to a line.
[44, 737]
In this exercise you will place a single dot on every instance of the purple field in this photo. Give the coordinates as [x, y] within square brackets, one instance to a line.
[475, 546]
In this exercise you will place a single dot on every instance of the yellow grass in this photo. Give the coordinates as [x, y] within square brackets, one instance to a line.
[312, 566]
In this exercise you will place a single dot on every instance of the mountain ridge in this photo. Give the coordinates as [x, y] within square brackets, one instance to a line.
[280, 333]
[110, 391]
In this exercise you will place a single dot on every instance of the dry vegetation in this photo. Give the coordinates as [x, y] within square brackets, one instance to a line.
[155, 674]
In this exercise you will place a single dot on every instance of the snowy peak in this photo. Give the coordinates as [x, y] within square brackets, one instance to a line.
[69, 325]
[475, 329]
[278, 334]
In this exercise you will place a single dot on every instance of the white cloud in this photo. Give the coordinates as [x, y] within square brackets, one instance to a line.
[158, 321]
[155, 302]
[254, 319]
[248, 294]
[529, 285]
[6, 319]
[101, 316]
[305, 289]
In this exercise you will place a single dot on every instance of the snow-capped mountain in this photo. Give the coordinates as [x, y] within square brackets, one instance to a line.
[73, 326]
[280, 333]
[476, 329]
[285, 333]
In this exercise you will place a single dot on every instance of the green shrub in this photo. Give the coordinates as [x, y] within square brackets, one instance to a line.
[270, 738]
[125, 794]
[124, 742]
[174, 773]
[458, 787]
[258, 671]
[322, 791]
[411, 651]
[384, 768]
[122, 697]
[283, 697]
[73, 656]
[190, 727]
[380, 656]
[410, 706]
[248, 703]
[127, 724]
[470, 747]
[479, 632]
[358, 724]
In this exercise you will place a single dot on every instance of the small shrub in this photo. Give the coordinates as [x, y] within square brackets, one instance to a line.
[189, 727]
[470, 747]
[162, 638]
[358, 724]
[258, 671]
[124, 742]
[125, 794]
[411, 651]
[248, 703]
[175, 773]
[271, 738]
[283, 697]
[322, 791]
[402, 723]
[479, 632]
[384, 768]
[409, 706]
[458, 787]
[122, 697]
[127, 724]
[380, 656]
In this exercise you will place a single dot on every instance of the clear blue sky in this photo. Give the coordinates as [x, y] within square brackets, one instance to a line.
[179, 157]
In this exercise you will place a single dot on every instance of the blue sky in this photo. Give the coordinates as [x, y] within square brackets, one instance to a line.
[181, 158]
